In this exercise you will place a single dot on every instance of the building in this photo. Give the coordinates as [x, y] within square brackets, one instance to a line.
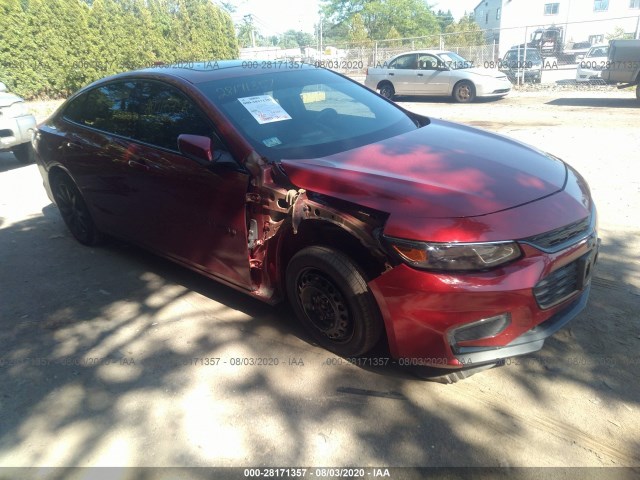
[487, 15]
[581, 20]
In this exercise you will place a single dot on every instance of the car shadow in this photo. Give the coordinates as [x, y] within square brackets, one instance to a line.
[9, 162]
[447, 99]
[595, 102]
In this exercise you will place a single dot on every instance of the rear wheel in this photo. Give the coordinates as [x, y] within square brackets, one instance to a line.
[24, 153]
[331, 298]
[387, 90]
[74, 210]
[464, 92]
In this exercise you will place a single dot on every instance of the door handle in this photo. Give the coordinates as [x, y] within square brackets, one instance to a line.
[391, 74]
[72, 145]
[421, 75]
[139, 165]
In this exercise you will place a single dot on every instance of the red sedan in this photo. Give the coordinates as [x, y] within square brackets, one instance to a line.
[454, 246]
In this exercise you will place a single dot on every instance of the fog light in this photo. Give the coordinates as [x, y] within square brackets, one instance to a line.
[485, 328]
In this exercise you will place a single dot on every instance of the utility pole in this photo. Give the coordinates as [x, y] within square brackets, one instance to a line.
[249, 16]
[321, 47]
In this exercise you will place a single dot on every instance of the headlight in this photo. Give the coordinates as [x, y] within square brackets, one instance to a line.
[17, 109]
[455, 256]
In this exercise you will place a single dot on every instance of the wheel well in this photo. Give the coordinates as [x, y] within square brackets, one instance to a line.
[464, 80]
[315, 232]
[384, 82]
[55, 173]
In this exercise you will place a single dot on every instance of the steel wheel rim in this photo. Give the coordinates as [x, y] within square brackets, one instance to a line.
[73, 210]
[324, 305]
[464, 92]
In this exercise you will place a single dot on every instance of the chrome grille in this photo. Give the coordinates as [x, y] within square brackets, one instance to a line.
[557, 286]
[560, 236]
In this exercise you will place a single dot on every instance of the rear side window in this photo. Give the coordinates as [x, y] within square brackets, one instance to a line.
[110, 108]
[75, 110]
[165, 113]
[405, 62]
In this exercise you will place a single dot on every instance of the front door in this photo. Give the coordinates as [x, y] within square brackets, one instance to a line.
[191, 212]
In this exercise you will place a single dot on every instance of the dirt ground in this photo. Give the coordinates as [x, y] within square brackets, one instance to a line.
[105, 353]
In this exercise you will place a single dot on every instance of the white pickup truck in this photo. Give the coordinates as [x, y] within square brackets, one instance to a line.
[16, 126]
[623, 64]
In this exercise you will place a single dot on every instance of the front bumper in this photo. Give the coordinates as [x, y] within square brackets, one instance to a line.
[589, 75]
[16, 131]
[494, 88]
[529, 75]
[421, 309]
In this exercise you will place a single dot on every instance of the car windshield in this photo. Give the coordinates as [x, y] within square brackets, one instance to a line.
[455, 61]
[532, 55]
[306, 113]
[598, 52]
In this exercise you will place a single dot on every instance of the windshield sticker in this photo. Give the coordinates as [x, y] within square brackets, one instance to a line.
[272, 142]
[264, 109]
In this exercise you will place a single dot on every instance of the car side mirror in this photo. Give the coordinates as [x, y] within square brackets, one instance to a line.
[197, 148]
[3, 87]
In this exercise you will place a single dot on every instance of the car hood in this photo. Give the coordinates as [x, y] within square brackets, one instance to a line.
[486, 72]
[442, 170]
[7, 99]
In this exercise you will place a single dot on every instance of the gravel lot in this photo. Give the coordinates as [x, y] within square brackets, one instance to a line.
[103, 349]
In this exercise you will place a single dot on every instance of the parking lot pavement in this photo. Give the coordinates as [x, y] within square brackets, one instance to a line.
[112, 356]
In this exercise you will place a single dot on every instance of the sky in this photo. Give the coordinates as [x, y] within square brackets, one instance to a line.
[277, 16]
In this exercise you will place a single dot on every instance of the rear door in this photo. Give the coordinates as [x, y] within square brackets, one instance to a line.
[93, 144]
[403, 73]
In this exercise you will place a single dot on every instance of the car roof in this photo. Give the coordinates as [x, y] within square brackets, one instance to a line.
[199, 72]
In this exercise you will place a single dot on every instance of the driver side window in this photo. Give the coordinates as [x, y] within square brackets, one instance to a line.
[165, 113]
[427, 62]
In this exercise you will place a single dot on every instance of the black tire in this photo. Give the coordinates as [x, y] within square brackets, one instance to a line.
[387, 90]
[24, 153]
[330, 296]
[464, 92]
[74, 210]
[638, 91]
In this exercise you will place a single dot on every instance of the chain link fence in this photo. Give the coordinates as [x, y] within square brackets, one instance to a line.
[562, 53]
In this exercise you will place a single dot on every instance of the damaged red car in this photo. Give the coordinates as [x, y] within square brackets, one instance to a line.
[454, 246]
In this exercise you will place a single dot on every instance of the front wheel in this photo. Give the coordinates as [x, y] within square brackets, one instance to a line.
[464, 92]
[331, 298]
[24, 153]
[74, 210]
[387, 90]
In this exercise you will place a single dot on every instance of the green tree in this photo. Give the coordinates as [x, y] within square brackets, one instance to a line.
[18, 65]
[357, 31]
[59, 32]
[394, 36]
[444, 19]
[246, 32]
[466, 32]
[410, 18]
[51, 48]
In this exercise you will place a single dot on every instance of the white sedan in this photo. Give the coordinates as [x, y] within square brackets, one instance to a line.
[436, 73]
[590, 67]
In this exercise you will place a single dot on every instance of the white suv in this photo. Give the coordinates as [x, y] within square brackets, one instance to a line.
[16, 126]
